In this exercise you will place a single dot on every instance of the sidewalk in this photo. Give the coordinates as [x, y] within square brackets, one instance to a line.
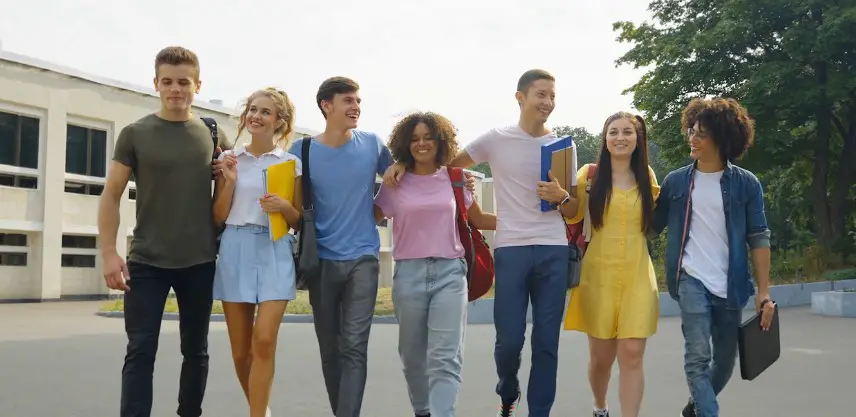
[61, 359]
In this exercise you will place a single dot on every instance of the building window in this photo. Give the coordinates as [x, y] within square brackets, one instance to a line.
[85, 154]
[78, 261]
[20, 181]
[19, 147]
[79, 242]
[78, 251]
[13, 259]
[12, 252]
[13, 239]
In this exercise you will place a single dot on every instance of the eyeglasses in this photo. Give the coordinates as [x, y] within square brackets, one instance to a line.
[692, 132]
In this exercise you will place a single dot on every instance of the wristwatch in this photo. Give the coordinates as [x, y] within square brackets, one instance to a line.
[565, 201]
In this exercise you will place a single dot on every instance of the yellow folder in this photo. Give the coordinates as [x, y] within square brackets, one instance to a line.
[279, 180]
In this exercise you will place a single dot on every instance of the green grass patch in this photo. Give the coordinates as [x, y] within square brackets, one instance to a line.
[300, 305]
[839, 274]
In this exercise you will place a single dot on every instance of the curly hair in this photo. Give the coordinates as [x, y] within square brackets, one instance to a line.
[285, 114]
[441, 128]
[724, 121]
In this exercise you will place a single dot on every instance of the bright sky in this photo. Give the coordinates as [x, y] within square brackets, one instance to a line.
[461, 58]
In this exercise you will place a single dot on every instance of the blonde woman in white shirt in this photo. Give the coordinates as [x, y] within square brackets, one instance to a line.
[253, 271]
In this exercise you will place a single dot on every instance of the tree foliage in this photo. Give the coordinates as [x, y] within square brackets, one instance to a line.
[791, 63]
[483, 168]
[588, 145]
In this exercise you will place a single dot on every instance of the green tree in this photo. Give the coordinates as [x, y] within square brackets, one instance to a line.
[791, 63]
[588, 145]
[484, 168]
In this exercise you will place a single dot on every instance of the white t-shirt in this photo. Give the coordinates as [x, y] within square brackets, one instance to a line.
[250, 186]
[514, 157]
[706, 252]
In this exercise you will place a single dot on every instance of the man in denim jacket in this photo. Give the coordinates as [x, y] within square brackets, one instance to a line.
[714, 211]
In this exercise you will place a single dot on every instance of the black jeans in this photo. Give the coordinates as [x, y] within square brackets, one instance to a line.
[144, 305]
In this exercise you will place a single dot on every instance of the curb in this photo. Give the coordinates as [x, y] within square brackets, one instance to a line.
[288, 318]
[481, 311]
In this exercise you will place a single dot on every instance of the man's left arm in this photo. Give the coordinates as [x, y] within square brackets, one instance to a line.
[758, 239]
[384, 160]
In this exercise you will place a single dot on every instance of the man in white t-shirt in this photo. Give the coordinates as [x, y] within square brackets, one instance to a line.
[531, 247]
[714, 212]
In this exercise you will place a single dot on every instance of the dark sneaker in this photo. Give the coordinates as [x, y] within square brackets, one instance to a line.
[423, 415]
[508, 410]
[600, 413]
[689, 410]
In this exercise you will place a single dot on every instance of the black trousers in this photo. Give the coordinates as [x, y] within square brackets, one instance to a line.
[144, 305]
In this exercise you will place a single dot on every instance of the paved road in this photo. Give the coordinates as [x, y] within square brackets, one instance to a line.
[58, 359]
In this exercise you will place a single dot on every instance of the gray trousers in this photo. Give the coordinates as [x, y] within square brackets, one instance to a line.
[430, 298]
[343, 302]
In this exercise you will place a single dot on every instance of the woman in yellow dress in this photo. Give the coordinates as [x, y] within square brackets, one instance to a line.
[617, 301]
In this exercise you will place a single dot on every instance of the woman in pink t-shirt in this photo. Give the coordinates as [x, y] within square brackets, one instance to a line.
[429, 285]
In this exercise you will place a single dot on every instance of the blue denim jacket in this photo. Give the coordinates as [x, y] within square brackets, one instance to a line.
[745, 223]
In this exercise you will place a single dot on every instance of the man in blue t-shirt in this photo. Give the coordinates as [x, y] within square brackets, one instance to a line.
[344, 163]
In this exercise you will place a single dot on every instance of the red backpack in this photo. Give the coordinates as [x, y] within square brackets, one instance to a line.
[480, 269]
[575, 231]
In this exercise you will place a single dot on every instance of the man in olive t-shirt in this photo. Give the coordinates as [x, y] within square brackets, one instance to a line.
[171, 162]
[174, 246]
[170, 155]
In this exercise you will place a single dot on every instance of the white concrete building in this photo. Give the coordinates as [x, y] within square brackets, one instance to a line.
[57, 131]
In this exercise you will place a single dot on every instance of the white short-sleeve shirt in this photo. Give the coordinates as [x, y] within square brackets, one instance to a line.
[514, 157]
[250, 186]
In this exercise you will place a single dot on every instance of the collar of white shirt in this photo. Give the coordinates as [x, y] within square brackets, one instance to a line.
[277, 152]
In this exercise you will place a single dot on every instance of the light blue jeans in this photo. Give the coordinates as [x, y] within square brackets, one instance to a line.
[430, 298]
[710, 339]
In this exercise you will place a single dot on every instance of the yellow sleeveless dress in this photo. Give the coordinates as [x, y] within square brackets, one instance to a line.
[617, 296]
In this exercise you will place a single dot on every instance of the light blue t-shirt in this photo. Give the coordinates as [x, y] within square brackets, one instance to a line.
[343, 182]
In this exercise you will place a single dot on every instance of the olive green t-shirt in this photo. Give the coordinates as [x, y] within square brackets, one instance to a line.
[171, 162]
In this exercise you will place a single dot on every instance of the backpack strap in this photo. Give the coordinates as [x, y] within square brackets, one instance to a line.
[305, 181]
[592, 169]
[456, 175]
[215, 135]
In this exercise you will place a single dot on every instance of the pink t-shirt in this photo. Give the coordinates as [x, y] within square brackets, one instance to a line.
[423, 211]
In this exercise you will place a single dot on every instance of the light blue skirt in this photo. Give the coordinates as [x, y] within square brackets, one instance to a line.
[251, 268]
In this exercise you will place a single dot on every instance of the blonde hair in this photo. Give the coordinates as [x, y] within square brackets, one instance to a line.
[285, 114]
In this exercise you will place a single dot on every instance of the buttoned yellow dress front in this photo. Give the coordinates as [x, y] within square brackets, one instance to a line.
[617, 296]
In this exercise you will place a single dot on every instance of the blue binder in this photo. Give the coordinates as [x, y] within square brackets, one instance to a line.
[560, 151]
